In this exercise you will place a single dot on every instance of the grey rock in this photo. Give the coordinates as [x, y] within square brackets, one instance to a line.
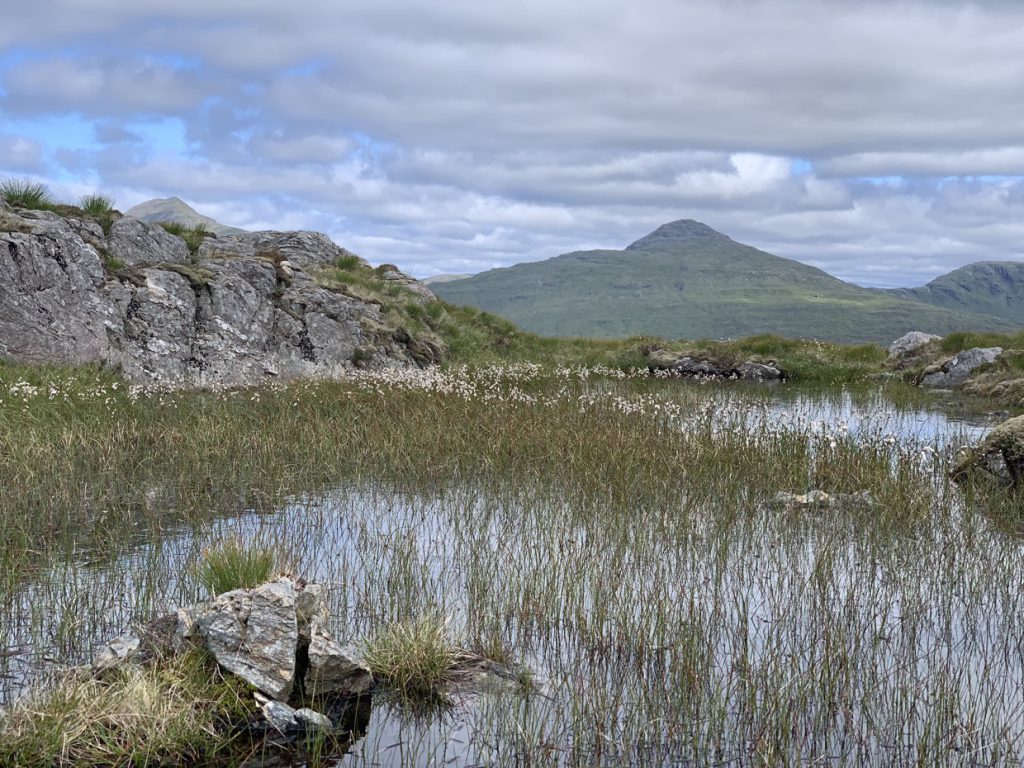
[310, 610]
[313, 720]
[251, 633]
[52, 308]
[957, 369]
[1004, 446]
[280, 716]
[299, 249]
[114, 653]
[752, 371]
[685, 365]
[334, 668]
[910, 342]
[132, 241]
[232, 318]
[818, 500]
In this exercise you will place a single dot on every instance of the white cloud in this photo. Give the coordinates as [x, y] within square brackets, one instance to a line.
[460, 135]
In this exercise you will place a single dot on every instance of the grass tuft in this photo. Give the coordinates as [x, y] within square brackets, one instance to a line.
[414, 658]
[176, 712]
[100, 208]
[193, 236]
[234, 565]
[23, 193]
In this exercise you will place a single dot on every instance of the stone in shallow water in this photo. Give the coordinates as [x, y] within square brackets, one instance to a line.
[280, 716]
[334, 668]
[124, 648]
[312, 719]
[252, 633]
[819, 500]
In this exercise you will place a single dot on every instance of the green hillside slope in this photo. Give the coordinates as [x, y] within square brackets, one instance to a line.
[687, 280]
[987, 287]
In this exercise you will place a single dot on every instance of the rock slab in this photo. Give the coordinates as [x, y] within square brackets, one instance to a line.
[243, 309]
[252, 633]
[957, 369]
[910, 342]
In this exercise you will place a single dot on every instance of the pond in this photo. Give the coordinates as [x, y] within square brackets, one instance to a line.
[696, 626]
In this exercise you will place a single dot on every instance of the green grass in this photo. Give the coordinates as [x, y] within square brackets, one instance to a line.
[235, 565]
[22, 193]
[100, 208]
[192, 235]
[178, 711]
[414, 659]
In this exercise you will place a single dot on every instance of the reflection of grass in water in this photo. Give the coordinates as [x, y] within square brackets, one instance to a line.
[612, 534]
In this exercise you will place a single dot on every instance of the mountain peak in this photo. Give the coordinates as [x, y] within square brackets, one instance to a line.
[677, 232]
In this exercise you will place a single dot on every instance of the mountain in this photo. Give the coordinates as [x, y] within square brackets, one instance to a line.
[685, 280]
[443, 279]
[176, 209]
[987, 287]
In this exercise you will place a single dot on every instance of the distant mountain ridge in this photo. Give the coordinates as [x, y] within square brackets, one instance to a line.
[175, 209]
[687, 280]
[985, 287]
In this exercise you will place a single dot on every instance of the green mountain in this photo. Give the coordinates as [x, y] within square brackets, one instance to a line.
[685, 280]
[442, 279]
[176, 209]
[987, 287]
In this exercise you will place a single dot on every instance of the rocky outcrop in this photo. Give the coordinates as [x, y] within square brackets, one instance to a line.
[909, 343]
[273, 637]
[243, 309]
[956, 370]
[1000, 453]
[675, 364]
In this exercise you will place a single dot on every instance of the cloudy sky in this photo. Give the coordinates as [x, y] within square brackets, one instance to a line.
[882, 142]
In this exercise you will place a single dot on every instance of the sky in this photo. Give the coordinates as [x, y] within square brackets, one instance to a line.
[880, 141]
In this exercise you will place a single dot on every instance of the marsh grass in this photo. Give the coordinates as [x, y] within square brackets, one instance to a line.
[607, 530]
[179, 711]
[414, 659]
[234, 564]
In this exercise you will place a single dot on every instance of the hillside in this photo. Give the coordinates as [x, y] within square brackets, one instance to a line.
[176, 209]
[987, 287]
[687, 280]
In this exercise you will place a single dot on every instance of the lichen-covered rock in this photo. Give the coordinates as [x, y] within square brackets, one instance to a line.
[299, 249]
[754, 371]
[245, 309]
[131, 241]
[252, 633]
[957, 369]
[335, 669]
[910, 342]
[1006, 441]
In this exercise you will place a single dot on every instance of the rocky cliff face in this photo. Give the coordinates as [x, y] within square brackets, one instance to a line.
[241, 310]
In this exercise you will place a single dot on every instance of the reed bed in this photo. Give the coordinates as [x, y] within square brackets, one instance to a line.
[608, 531]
